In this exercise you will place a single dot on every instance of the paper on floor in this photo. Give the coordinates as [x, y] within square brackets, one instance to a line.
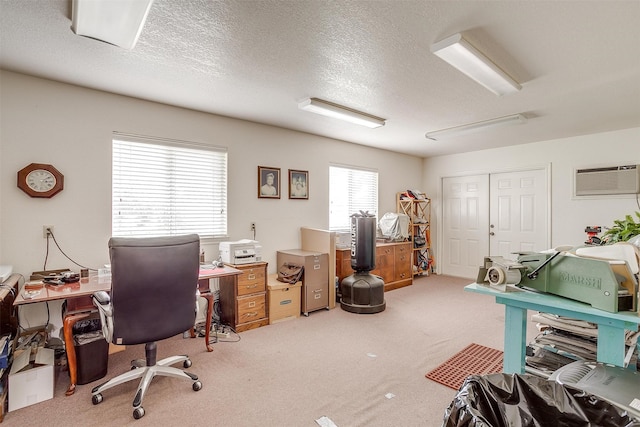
[325, 422]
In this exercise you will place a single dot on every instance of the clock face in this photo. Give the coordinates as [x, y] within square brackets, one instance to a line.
[41, 180]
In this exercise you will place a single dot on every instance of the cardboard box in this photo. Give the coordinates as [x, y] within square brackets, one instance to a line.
[31, 378]
[116, 348]
[284, 299]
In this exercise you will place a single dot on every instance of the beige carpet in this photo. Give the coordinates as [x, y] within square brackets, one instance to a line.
[356, 370]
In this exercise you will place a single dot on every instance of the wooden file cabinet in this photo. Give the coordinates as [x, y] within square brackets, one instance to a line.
[393, 264]
[243, 306]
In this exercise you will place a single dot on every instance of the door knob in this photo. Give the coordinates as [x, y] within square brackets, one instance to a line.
[492, 234]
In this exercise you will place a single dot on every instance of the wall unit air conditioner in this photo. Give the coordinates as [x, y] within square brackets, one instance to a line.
[608, 180]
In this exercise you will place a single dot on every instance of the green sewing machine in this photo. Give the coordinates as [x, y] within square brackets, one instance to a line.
[604, 283]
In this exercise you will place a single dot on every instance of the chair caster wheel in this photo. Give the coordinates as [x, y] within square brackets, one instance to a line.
[197, 386]
[96, 398]
[187, 363]
[138, 412]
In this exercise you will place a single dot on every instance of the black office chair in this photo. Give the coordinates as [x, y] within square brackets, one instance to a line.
[154, 286]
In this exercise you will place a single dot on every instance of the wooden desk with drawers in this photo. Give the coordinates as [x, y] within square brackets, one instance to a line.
[243, 305]
[393, 264]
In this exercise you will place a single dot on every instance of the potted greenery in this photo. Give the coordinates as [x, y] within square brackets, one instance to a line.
[623, 230]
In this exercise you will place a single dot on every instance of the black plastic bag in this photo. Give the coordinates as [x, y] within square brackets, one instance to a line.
[513, 400]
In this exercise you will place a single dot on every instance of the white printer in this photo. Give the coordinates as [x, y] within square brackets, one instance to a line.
[5, 272]
[240, 252]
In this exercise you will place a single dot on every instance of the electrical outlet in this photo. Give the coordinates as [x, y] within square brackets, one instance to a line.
[253, 226]
[45, 230]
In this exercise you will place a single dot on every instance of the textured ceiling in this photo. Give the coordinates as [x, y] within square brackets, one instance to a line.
[578, 63]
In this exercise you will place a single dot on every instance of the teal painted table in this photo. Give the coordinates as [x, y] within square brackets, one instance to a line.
[611, 326]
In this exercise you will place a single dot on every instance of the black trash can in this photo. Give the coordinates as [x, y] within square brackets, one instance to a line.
[92, 351]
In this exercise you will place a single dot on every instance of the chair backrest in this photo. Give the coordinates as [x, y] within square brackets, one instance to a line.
[153, 287]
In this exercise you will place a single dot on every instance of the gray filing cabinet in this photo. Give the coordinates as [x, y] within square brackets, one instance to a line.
[315, 280]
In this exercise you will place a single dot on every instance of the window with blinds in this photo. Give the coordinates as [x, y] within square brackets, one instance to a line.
[351, 191]
[165, 187]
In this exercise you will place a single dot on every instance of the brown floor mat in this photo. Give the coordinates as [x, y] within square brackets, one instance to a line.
[472, 360]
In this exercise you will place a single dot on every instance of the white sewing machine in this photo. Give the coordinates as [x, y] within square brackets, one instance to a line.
[240, 252]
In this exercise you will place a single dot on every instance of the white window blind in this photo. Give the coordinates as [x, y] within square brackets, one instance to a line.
[163, 187]
[351, 191]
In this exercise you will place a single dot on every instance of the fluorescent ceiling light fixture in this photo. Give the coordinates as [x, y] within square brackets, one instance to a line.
[118, 22]
[336, 111]
[462, 55]
[474, 127]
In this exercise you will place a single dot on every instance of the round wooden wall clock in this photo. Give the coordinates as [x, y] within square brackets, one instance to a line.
[40, 180]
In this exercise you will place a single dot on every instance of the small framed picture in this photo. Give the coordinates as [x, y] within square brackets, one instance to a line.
[298, 184]
[268, 182]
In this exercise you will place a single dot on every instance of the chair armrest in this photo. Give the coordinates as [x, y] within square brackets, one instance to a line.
[102, 301]
[101, 297]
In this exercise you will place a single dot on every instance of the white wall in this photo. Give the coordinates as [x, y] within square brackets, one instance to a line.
[70, 127]
[569, 215]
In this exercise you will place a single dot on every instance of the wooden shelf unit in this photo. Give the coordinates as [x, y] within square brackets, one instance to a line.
[419, 212]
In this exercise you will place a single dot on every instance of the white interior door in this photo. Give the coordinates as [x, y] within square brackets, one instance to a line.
[465, 223]
[492, 214]
[518, 212]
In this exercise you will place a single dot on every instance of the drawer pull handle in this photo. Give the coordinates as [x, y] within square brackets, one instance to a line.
[251, 276]
[252, 314]
[251, 286]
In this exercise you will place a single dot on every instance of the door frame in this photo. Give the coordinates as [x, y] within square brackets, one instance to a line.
[440, 203]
